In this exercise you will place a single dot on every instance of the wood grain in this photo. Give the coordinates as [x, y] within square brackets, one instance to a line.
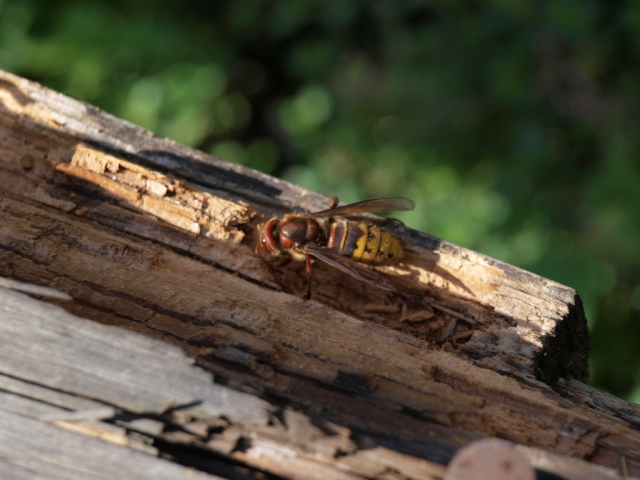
[106, 383]
[158, 238]
[532, 326]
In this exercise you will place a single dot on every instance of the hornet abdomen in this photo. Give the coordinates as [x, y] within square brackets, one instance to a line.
[363, 242]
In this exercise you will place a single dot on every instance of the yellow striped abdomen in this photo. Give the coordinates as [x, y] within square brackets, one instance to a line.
[363, 242]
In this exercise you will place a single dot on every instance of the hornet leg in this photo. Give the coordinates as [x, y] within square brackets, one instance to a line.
[308, 260]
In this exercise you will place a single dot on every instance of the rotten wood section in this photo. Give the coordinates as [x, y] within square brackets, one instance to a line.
[158, 238]
[134, 391]
[74, 393]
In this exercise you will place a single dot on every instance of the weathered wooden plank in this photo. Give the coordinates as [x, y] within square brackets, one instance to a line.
[88, 206]
[532, 326]
[309, 449]
[142, 377]
[59, 337]
[35, 450]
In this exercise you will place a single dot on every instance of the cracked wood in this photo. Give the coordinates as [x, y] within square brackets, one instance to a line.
[147, 234]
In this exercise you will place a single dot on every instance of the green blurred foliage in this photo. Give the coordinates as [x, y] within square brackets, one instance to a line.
[513, 124]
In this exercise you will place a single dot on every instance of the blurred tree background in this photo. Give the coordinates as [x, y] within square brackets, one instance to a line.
[513, 124]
